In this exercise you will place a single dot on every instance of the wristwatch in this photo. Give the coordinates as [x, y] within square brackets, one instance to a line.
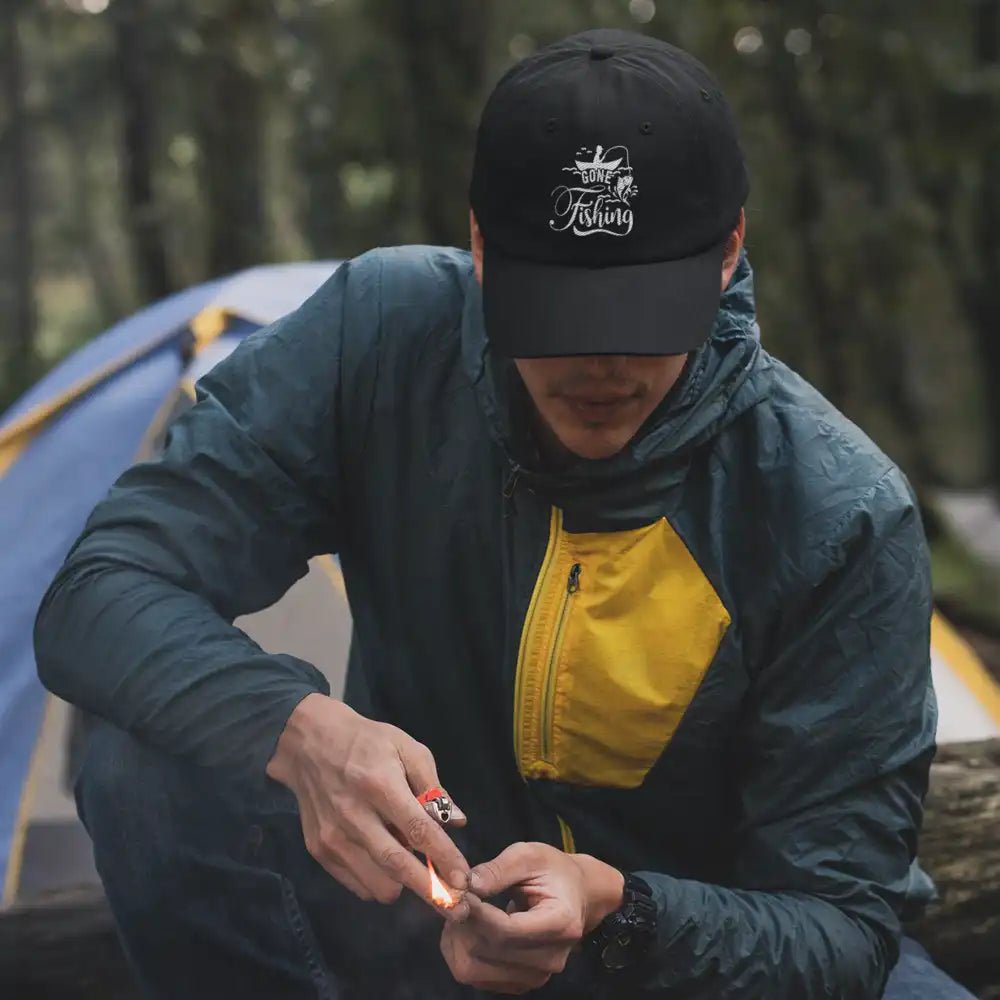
[623, 937]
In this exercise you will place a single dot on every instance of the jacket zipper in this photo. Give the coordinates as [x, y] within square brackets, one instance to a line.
[549, 680]
[521, 679]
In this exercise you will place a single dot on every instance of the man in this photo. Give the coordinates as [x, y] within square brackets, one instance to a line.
[652, 611]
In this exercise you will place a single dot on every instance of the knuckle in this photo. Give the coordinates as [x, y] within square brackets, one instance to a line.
[489, 872]
[393, 859]
[424, 753]
[366, 777]
[350, 817]
[418, 831]
[574, 930]
[356, 775]
[330, 840]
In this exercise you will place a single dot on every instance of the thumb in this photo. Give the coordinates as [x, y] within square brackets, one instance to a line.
[514, 864]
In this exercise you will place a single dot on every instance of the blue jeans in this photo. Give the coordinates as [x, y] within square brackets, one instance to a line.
[215, 896]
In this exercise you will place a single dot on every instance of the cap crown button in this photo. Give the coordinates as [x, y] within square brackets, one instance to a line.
[601, 52]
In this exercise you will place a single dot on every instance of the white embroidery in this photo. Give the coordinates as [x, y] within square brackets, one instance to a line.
[602, 201]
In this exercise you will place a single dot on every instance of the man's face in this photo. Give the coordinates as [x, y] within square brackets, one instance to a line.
[593, 405]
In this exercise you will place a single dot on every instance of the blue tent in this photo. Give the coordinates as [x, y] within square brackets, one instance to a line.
[65, 442]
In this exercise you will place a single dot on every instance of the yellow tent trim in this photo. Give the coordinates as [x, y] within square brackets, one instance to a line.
[961, 658]
[11, 451]
[333, 574]
[206, 327]
[37, 415]
[16, 858]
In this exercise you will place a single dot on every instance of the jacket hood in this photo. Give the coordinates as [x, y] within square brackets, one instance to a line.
[723, 378]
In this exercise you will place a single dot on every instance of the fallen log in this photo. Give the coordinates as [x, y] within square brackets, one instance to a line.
[65, 946]
[960, 848]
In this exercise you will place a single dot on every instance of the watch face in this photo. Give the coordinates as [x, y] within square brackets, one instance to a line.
[617, 954]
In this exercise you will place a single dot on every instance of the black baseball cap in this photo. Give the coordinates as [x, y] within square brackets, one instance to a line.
[607, 177]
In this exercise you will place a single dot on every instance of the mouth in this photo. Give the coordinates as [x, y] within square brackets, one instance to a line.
[599, 407]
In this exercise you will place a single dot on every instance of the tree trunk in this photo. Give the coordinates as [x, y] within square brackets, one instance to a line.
[443, 48]
[23, 319]
[230, 127]
[144, 219]
[830, 333]
[983, 305]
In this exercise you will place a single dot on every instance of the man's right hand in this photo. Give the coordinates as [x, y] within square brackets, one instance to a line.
[356, 782]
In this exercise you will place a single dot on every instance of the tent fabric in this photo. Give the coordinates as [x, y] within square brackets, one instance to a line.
[68, 438]
[64, 443]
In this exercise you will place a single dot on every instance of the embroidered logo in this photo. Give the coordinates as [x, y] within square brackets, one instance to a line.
[600, 199]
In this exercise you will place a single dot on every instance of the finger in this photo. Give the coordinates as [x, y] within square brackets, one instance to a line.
[383, 887]
[421, 772]
[512, 865]
[543, 925]
[346, 879]
[328, 857]
[484, 973]
[528, 956]
[395, 859]
[418, 762]
[423, 834]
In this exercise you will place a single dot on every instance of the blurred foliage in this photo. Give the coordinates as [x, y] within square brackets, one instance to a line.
[166, 141]
[965, 586]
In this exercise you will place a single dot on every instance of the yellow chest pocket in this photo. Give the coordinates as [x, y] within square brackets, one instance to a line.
[621, 628]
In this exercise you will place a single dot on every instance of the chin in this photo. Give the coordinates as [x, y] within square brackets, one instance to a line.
[595, 447]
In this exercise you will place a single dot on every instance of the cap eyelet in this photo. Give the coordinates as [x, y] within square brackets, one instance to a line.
[645, 128]
[705, 95]
[551, 125]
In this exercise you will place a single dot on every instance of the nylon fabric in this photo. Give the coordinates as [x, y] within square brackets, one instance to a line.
[600, 691]
[771, 785]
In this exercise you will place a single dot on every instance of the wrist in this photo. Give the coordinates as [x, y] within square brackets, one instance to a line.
[295, 738]
[604, 887]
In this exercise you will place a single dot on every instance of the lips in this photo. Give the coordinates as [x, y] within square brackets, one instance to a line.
[599, 400]
[597, 408]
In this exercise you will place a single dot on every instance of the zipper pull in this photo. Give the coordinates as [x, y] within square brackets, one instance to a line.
[511, 483]
[573, 583]
[509, 486]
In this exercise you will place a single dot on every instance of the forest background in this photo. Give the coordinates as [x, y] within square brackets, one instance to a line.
[147, 145]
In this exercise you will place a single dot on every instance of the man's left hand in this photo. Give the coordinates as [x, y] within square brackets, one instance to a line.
[557, 899]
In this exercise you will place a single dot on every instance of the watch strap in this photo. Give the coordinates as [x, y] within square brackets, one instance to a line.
[623, 937]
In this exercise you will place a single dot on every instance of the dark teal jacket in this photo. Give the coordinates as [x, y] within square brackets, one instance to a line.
[705, 659]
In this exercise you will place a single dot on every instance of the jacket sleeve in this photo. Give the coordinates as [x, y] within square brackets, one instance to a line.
[835, 756]
[137, 627]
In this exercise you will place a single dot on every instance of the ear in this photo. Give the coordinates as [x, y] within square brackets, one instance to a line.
[476, 244]
[734, 246]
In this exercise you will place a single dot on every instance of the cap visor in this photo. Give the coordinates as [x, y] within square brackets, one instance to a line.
[535, 310]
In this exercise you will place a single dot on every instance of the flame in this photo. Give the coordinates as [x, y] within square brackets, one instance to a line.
[439, 891]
